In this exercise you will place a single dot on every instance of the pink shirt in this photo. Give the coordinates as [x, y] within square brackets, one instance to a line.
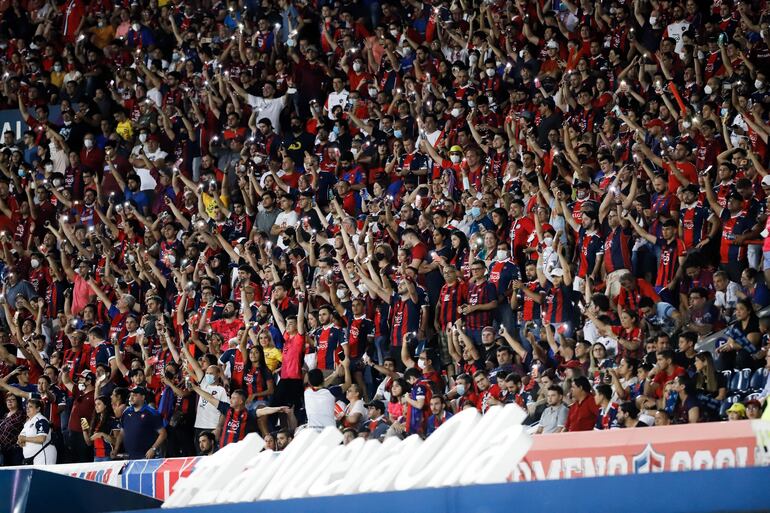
[81, 294]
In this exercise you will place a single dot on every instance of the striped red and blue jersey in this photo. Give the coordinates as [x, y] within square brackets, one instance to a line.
[559, 304]
[328, 339]
[360, 328]
[617, 249]
[404, 318]
[589, 247]
[77, 361]
[733, 225]
[607, 418]
[668, 264]
[450, 298]
[236, 425]
[694, 222]
[479, 294]
[256, 379]
[501, 274]
[530, 309]
[234, 358]
[101, 354]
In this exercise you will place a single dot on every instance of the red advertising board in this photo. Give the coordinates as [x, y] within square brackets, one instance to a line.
[644, 450]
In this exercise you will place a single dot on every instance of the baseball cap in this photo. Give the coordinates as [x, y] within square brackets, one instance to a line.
[376, 404]
[766, 181]
[552, 44]
[737, 408]
[139, 390]
[456, 149]
[655, 122]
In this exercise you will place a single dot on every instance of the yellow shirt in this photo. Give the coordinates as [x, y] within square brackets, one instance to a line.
[211, 205]
[57, 78]
[273, 358]
[125, 130]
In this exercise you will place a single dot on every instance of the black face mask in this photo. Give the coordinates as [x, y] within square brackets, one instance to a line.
[170, 375]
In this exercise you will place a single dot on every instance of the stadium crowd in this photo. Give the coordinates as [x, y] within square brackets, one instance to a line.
[232, 216]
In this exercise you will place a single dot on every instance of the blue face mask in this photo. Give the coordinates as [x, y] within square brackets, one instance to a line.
[336, 130]
[475, 211]
[460, 389]
[397, 134]
[208, 379]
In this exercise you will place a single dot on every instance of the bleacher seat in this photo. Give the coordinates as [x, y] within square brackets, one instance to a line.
[729, 401]
[758, 379]
[740, 381]
[728, 374]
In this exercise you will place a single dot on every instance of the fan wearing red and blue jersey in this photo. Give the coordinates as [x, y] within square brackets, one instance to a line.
[672, 256]
[328, 340]
[736, 230]
[694, 220]
[617, 244]
[418, 401]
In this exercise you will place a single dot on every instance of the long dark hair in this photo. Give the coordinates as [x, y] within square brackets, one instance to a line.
[247, 366]
[99, 421]
[461, 249]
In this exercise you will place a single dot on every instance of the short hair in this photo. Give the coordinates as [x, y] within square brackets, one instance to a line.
[209, 435]
[412, 372]
[604, 390]
[668, 354]
[556, 388]
[690, 336]
[97, 332]
[513, 377]
[122, 394]
[630, 409]
[315, 377]
[601, 301]
[582, 383]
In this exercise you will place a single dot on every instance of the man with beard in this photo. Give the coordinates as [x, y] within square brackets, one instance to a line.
[230, 323]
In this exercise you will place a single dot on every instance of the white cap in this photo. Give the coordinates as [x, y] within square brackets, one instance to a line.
[552, 44]
[766, 181]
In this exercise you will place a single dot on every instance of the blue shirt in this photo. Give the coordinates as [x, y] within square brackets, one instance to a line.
[140, 430]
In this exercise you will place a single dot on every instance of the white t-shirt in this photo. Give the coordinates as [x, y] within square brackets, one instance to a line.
[36, 426]
[335, 99]
[289, 219]
[319, 406]
[269, 108]
[207, 416]
[357, 407]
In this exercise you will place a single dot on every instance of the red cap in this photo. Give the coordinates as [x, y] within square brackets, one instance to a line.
[655, 122]
[153, 137]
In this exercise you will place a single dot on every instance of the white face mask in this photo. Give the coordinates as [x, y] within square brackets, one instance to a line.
[356, 67]
[548, 241]
[49, 167]
[82, 387]
[490, 72]
[372, 92]
[142, 138]
[57, 67]
[758, 84]
[502, 254]
[421, 363]
[35, 263]
[135, 27]
[340, 294]
[406, 50]
[394, 33]
[455, 113]
[455, 159]
[653, 20]
[88, 143]
[708, 89]
[471, 103]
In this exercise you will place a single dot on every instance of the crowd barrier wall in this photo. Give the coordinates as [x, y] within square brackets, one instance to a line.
[718, 445]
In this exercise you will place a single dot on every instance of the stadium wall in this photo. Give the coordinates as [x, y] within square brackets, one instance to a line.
[719, 445]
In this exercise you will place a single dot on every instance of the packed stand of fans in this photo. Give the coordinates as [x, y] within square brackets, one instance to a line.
[228, 217]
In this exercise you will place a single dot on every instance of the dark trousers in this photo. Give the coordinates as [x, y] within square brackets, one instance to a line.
[79, 451]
